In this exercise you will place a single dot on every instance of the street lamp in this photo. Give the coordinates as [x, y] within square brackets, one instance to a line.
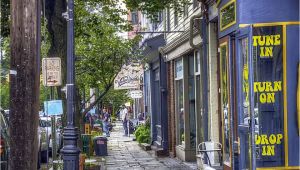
[70, 151]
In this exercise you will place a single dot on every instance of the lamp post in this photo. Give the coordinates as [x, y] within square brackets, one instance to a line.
[70, 151]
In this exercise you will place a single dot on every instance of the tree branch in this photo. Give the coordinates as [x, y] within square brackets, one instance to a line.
[98, 99]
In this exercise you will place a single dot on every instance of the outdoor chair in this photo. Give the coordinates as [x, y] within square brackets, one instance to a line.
[209, 156]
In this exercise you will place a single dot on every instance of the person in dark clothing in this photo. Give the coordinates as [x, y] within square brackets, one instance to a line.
[106, 121]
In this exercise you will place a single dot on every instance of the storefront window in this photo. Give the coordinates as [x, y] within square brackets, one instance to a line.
[192, 102]
[245, 82]
[179, 101]
[268, 95]
[225, 103]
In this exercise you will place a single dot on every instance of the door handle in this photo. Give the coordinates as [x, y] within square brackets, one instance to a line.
[298, 99]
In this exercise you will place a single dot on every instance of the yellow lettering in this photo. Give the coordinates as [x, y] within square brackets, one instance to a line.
[261, 86]
[266, 40]
[279, 137]
[255, 86]
[270, 97]
[262, 54]
[263, 98]
[264, 151]
[255, 40]
[269, 40]
[272, 139]
[266, 51]
[261, 40]
[269, 51]
[277, 39]
[257, 139]
[277, 86]
[270, 150]
[269, 87]
[264, 140]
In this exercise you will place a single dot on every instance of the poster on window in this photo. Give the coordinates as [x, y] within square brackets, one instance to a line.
[268, 92]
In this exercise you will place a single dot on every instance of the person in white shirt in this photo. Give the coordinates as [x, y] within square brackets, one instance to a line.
[124, 117]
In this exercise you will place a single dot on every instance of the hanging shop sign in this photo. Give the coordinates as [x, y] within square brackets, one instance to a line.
[51, 68]
[268, 89]
[136, 94]
[53, 107]
[129, 77]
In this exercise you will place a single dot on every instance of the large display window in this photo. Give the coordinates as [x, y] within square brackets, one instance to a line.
[192, 100]
[268, 95]
[179, 101]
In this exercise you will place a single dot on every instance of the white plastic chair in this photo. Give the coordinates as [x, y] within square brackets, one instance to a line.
[210, 155]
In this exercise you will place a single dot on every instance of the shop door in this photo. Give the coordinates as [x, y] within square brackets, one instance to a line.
[244, 133]
[224, 60]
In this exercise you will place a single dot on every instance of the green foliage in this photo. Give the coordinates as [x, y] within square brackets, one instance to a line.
[142, 134]
[115, 98]
[4, 95]
[100, 52]
[153, 7]
[4, 68]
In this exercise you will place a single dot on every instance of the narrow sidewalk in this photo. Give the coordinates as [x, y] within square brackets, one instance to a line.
[124, 153]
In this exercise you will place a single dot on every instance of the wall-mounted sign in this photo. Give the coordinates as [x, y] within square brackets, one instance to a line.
[129, 77]
[136, 94]
[53, 107]
[228, 15]
[51, 68]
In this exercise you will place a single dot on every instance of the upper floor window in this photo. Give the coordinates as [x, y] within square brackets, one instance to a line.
[134, 17]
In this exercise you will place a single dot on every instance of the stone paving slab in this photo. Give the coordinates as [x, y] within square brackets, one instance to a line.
[125, 154]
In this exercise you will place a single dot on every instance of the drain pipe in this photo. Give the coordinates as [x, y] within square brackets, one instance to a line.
[203, 63]
[191, 38]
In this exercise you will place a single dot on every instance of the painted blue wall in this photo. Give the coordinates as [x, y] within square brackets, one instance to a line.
[261, 11]
[293, 59]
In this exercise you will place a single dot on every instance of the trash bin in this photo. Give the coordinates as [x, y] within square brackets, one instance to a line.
[100, 146]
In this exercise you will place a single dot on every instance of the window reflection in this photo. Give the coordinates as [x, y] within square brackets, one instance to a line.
[225, 103]
[192, 105]
[179, 101]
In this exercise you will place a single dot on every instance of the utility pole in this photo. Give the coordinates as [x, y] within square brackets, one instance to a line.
[24, 84]
[70, 151]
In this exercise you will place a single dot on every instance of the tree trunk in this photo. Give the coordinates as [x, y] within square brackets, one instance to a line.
[24, 85]
[57, 28]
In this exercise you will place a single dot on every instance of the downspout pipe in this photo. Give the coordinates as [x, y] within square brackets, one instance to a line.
[203, 62]
[191, 37]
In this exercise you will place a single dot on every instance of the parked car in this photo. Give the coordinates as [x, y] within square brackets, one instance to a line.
[45, 131]
[4, 140]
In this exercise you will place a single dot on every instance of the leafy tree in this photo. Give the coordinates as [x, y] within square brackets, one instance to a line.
[153, 7]
[4, 67]
[101, 52]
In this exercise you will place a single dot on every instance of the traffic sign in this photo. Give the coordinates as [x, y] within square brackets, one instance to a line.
[51, 71]
[53, 107]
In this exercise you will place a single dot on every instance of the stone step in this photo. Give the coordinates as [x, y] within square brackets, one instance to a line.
[145, 146]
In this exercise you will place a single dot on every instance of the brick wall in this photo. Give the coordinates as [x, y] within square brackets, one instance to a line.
[171, 108]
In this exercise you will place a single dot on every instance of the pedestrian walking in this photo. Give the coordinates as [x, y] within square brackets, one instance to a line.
[124, 116]
[105, 122]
